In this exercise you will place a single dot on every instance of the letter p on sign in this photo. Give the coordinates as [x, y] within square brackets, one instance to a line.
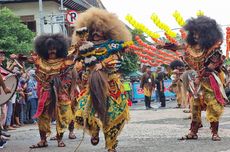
[71, 16]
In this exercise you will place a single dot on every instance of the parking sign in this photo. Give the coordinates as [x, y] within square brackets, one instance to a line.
[71, 16]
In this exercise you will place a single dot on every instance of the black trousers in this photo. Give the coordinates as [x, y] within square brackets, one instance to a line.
[227, 91]
[147, 101]
[162, 98]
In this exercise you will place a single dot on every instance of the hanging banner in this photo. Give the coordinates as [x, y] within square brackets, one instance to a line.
[138, 93]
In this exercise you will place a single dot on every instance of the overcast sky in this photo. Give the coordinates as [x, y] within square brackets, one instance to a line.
[141, 10]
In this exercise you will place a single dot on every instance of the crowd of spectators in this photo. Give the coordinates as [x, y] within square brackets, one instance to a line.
[19, 110]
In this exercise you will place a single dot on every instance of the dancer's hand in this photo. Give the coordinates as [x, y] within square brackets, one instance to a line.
[212, 66]
[159, 46]
[13, 56]
[98, 66]
[78, 66]
[79, 43]
[9, 63]
[6, 90]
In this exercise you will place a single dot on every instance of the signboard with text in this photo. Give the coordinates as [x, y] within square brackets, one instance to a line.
[138, 93]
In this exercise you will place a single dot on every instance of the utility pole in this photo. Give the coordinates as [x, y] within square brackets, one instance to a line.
[61, 4]
[52, 26]
[100, 4]
[63, 18]
[41, 17]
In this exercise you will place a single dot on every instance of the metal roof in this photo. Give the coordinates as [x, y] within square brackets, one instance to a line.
[78, 5]
[82, 5]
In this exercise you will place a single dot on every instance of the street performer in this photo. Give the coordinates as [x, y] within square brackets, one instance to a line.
[103, 103]
[55, 85]
[204, 55]
[177, 68]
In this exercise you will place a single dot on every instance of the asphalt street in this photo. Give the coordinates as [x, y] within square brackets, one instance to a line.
[148, 131]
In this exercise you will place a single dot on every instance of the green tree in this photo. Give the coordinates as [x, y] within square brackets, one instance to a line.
[227, 62]
[131, 63]
[136, 32]
[15, 37]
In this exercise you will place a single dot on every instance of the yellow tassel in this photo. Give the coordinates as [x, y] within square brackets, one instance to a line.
[128, 43]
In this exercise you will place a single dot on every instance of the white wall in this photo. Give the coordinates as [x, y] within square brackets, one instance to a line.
[32, 8]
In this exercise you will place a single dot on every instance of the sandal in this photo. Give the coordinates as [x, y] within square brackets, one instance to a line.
[15, 126]
[5, 134]
[41, 144]
[53, 138]
[72, 136]
[186, 111]
[61, 144]
[95, 140]
[189, 136]
[216, 137]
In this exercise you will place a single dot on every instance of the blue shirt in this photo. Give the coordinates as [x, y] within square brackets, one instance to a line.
[31, 88]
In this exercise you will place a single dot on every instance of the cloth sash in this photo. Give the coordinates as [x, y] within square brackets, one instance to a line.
[218, 88]
[42, 96]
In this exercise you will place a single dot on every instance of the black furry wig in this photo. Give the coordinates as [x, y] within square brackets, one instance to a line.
[207, 31]
[46, 42]
[176, 64]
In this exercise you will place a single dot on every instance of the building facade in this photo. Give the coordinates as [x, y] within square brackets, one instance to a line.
[53, 18]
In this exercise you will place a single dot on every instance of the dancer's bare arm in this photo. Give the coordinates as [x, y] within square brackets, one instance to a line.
[171, 46]
[2, 84]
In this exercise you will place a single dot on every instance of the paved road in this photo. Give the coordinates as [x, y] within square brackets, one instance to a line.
[148, 131]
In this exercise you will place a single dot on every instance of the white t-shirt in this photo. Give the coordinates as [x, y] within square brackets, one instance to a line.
[13, 99]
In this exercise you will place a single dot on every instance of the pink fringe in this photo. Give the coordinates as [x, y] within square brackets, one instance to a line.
[42, 96]
[216, 89]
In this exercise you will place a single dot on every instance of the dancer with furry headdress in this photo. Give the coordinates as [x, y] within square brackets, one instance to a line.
[56, 85]
[177, 67]
[204, 55]
[103, 104]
